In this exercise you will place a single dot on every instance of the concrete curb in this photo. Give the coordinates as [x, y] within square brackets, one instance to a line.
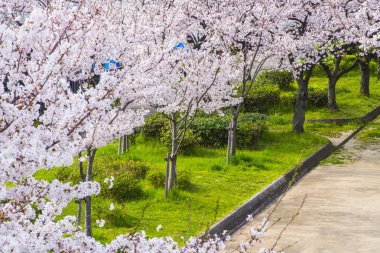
[263, 199]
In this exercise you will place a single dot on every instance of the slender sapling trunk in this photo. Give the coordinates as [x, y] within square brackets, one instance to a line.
[91, 156]
[173, 155]
[79, 201]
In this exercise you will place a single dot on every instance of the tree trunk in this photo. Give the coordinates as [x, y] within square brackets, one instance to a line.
[234, 132]
[79, 201]
[91, 156]
[228, 158]
[365, 72]
[120, 148]
[301, 102]
[125, 143]
[378, 67]
[173, 155]
[332, 95]
[334, 76]
[79, 214]
[167, 159]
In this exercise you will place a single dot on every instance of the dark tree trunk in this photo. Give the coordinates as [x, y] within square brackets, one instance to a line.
[301, 102]
[334, 76]
[301, 105]
[378, 67]
[91, 156]
[174, 151]
[365, 72]
[332, 95]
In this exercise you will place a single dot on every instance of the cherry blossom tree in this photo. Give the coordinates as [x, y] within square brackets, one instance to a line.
[188, 77]
[304, 40]
[365, 25]
[359, 27]
[46, 45]
[334, 75]
[43, 45]
[244, 30]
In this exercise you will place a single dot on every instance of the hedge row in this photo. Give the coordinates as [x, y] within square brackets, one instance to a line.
[265, 98]
[207, 131]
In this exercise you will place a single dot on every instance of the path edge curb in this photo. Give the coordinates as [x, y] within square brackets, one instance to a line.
[259, 202]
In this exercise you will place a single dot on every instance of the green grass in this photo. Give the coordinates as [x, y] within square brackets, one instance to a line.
[215, 193]
[340, 156]
[371, 133]
[350, 102]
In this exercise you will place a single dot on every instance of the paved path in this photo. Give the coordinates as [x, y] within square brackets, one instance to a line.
[341, 212]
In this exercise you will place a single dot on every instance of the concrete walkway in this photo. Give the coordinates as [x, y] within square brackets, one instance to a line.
[341, 212]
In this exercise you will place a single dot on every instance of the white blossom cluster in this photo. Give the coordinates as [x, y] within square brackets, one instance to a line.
[45, 46]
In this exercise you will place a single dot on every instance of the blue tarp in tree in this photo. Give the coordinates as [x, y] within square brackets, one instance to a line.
[111, 65]
[181, 46]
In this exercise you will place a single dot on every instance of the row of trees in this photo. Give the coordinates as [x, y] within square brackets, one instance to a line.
[47, 45]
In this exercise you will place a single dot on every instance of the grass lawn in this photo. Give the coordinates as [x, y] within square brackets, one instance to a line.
[350, 102]
[215, 193]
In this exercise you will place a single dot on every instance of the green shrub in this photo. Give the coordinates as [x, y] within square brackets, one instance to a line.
[125, 187]
[189, 141]
[248, 133]
[261, 98]
[281, 79]
[317, 97]
[288, 100]
[114, 218]
[157, 178]
[213, 131]
[154, 124]
[138, 169]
